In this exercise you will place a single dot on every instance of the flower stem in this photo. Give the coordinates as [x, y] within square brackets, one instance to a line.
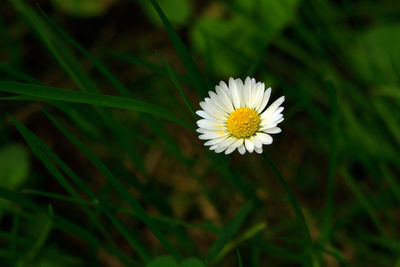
[297, 209]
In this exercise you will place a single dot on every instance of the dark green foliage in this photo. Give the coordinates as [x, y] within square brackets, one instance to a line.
[110, 172]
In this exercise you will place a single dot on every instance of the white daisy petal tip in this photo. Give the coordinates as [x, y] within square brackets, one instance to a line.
[236, 117]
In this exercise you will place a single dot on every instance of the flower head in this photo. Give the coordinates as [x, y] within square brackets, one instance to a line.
[236, 117]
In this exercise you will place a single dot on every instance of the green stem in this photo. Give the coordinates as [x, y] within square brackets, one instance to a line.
[297, 209]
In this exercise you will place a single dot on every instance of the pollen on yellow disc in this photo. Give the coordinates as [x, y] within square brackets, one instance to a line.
[243, 122]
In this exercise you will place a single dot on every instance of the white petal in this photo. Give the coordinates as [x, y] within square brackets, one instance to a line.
[273, 130]
[218, 101]
[210, 125]
[265, 100]
[259, 150]
[271, 109]
[215, 141]
[212, 135]
[234, 93]
[256, 96]
[241, 149]
[213, 111]
[205, 115]
[224, 144]
[249, 145]
[225, 99]
[235, 145]
[256, 141]
[266, 139]
[247, 92]
[225, 87]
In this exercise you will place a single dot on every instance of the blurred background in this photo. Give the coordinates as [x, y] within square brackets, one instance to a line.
[84, 185]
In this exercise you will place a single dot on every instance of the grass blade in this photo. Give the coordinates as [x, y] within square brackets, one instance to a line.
[240, 263]
[178, 86]
[67, 60]
[51, 93]
[114, 181]
[35, 143]
[363, 201]
[229, 232]
[193, 72]
[122, 89]
[297, 209]
[60, 223]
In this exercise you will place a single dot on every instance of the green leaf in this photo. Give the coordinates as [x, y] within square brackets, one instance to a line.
[51, 93]
[192, 262]
[163, 261]
[14, 166]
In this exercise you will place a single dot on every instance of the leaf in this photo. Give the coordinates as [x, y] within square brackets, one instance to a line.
[14, 166]
[163, 261]
[192, 262]
[52, 93]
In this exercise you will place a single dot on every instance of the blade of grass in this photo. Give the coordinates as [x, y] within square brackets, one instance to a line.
[363, 201]
[240, 262]
[36, 143]
[333, 154]
[178, 86]
[391, 180]
[62, 224]
[122, 89]
[55, 45]
[248, 234]
[116, 183]
[16, 74]
[135, 244]
[46, 230]
[51, 93]
[58, 197]
[113, 207]
[193, 72]
[36, 146]
[296, 206]
[229, 231]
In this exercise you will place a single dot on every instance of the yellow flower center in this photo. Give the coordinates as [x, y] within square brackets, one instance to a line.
[243, 122]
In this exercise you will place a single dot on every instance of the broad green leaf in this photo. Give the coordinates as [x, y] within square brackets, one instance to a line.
[375, 55]
[237, 40]
[14, 165]
[163, 261]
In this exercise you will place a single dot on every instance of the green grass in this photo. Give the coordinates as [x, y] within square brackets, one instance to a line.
[100, 164]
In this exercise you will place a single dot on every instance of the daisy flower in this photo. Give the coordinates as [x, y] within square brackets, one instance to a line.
[236, 117]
